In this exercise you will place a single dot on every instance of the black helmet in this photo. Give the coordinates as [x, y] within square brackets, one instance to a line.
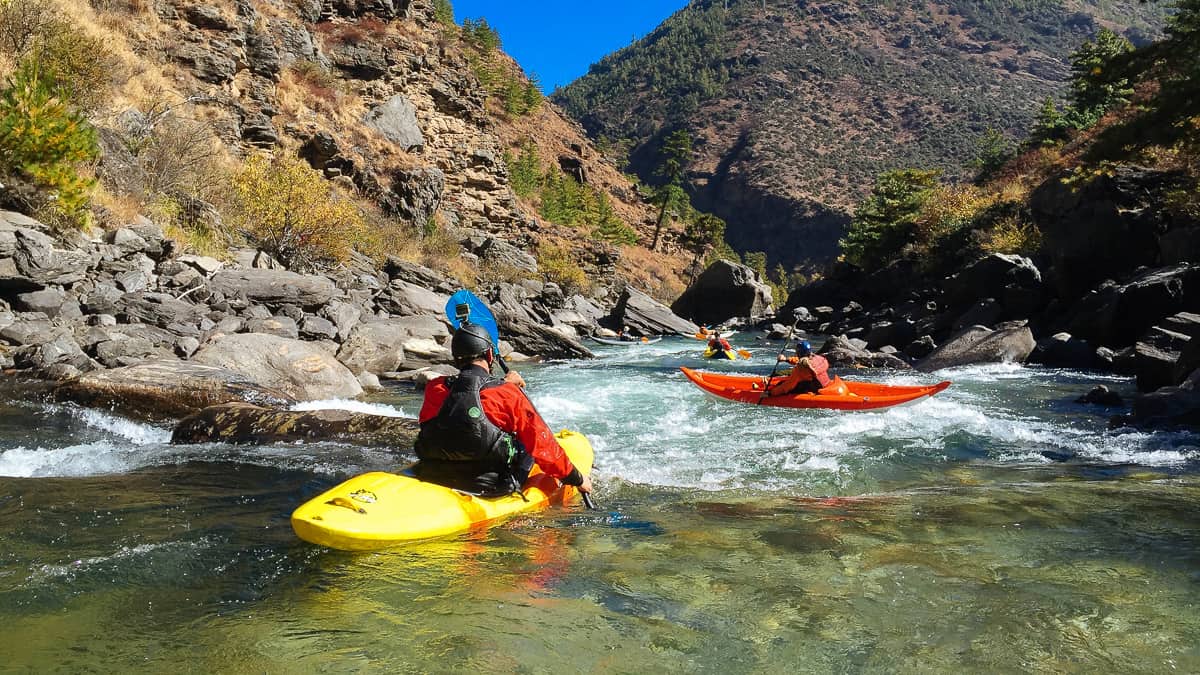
[470, 341]
[803, 348]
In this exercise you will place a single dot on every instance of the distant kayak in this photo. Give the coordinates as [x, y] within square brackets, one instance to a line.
[711, 353]
[625, 343]
[839, 395]
[378, 509]
[705, 336]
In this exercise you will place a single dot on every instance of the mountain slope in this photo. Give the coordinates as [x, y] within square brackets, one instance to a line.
[403, 112]
[795, 106]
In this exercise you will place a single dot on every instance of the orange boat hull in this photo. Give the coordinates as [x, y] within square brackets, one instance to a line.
[839, 395]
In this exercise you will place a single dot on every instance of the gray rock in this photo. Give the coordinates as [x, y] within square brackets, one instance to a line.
[28, 255]
[291, 366]
[211, 62]
[374, 347]
[846, 353]
[103, 299]
[28, 331]
[127, 242]
[980, 344]
[186, 346]
[274, 287]
[724, 291]
[405, 299]
[396, 119]
[1153, 367]
[343, 315]
[48, 301]
[1101, 395]
[497, 252]
[202, 263]
[60, 348]
[167, 388]
[277, 325]
[316, 328]
[162, 310]
[417, 195]
[369, 382]
[646, 316]
[206, 16]
[360, 60]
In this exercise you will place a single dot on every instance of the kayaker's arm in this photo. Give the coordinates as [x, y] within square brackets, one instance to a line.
[508, 409]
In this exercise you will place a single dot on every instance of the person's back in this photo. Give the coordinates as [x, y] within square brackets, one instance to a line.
[481, 434]
[809, 375]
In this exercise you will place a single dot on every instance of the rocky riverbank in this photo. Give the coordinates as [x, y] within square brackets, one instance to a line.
[123, 321]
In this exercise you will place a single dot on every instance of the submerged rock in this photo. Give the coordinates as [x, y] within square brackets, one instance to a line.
[161, 389]
[250, 424]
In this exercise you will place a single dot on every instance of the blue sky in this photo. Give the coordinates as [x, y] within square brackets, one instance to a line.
[557, 41]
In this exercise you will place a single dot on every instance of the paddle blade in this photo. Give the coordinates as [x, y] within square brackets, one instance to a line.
[745, 353]
[464, 306]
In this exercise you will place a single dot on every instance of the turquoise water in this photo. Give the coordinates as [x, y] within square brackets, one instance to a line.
[997, 527]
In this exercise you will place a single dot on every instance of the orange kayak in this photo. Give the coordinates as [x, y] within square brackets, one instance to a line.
[839, 395]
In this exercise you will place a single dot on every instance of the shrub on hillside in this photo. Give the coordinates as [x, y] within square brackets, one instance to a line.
[80, 66]
[45, 140]
[292, 212]
[556, 265]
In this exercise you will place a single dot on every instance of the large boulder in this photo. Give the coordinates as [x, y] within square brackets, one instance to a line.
[980, 344]
[380, 346]
[300, 369]
[1118, 314]
[528, 337]
[724, 291]
[646, 316]
[249, 424]
[163, 389]
[274, 287]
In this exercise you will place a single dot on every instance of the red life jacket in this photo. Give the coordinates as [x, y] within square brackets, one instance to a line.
[820, 369]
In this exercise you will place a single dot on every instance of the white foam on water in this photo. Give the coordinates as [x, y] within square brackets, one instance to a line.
[89, 459]
[353, 406]
[137, 433]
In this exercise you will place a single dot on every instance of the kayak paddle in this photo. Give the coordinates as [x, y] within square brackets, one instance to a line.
[767, 383]
[464, 306]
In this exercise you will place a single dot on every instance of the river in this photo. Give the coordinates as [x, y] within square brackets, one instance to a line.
[996, 527]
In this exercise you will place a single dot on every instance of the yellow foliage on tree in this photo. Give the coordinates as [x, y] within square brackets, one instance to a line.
[294, 213]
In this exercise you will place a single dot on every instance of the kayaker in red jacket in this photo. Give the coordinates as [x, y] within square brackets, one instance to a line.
[719, 344]
[808, 376]
[482, 435]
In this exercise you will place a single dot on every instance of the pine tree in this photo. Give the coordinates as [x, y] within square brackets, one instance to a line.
[676, 153]
[1096, 86]
[46, 140]
[1050, 126]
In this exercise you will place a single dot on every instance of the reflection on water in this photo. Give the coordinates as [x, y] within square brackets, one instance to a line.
[730, 539]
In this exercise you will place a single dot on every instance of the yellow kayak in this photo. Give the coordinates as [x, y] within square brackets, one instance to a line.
[711, 353]
[378, 509]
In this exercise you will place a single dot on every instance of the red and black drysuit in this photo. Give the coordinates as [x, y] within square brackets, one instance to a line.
[482, 435]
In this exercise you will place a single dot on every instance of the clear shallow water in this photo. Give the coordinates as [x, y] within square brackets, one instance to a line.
[995, 527]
